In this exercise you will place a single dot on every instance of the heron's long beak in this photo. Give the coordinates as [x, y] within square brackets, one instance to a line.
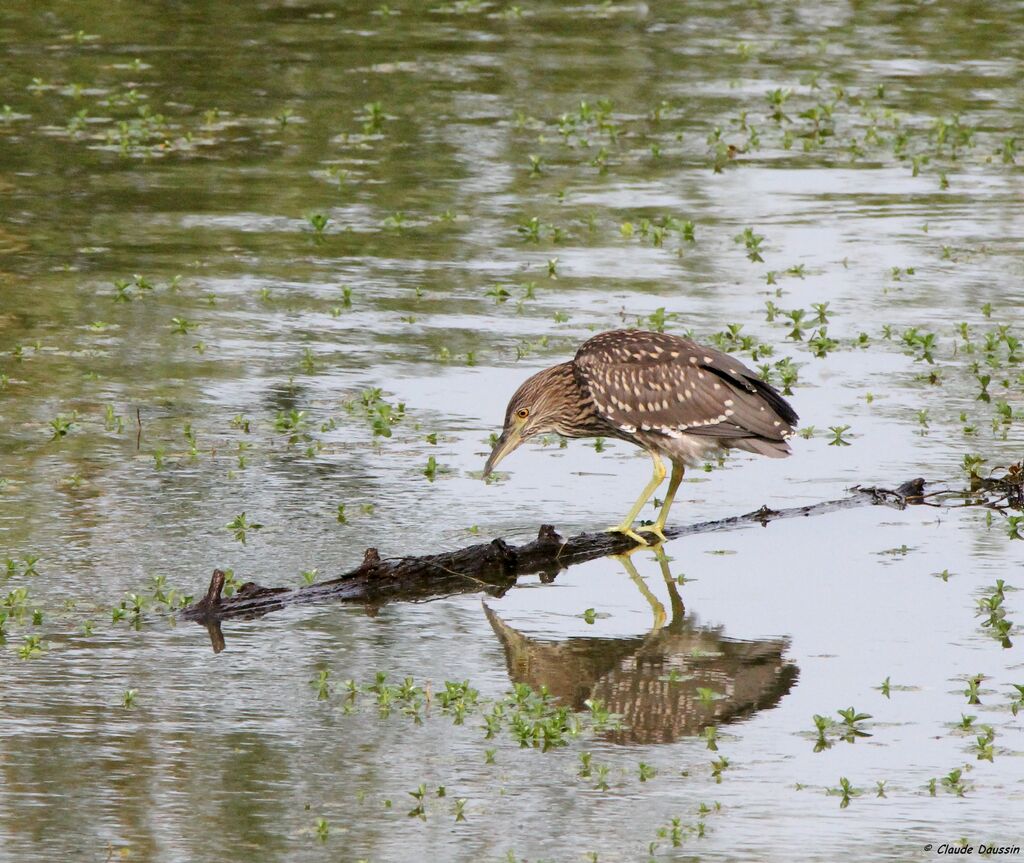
[509, 440]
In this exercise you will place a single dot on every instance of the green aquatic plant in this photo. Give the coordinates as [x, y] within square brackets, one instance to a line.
[60, 426]
[381, 414]
[418, 794]
[752, 242]
[32, 647]
[318, 222]
[820, 343]
[984, 745]
[706, 695]
[787, 371]
[658, 319]
[190, 439]
[718, 766]
[711, 737]
[837, 435]
[499, 294]
[1015, 526]
[530, 230]
[992, 605]
[953, 781]
[240, 525]
[182, 326]
[322, 685]
[338, 174]
[1018, 698]
[971, 464]
[922, 345]
[291, 422]
[796, 317]
[112, 422]
[851, 722]
[973, 689]
[827, 731]
[845, 791]
[373, 118]
[322, 829]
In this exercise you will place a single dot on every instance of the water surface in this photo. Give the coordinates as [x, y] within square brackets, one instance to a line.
[172, 158]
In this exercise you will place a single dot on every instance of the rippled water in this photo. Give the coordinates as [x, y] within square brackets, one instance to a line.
[180, 153]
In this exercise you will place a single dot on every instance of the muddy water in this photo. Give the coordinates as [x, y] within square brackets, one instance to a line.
[180, 346]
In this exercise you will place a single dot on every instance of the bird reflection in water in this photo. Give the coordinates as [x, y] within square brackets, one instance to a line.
[659, 682]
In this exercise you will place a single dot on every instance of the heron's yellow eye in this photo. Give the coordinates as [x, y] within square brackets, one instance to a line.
[523, 413]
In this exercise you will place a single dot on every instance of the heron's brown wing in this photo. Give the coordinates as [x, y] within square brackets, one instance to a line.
[643, 381]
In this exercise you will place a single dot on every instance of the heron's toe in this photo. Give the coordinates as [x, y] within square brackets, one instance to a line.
[627, 530]
[653, 528]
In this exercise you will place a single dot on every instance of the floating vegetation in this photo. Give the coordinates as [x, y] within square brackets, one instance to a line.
[753, 243]
[533, 718]
[240, 526]
[845, 791]
[828, 731]
[378, 412]
[991, 607]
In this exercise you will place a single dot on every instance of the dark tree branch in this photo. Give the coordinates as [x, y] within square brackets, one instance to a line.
[490, 567]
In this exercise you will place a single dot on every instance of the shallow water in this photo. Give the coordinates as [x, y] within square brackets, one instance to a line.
[424, 286]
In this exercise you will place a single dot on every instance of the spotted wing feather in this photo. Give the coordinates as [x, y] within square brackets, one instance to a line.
[656, 382]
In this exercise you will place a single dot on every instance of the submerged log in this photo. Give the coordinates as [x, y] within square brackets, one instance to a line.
[491, 567]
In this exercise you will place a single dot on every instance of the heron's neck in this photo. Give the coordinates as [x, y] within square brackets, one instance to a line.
[578, 415]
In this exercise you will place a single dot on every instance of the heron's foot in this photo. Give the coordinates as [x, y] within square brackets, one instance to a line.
[627, 530]
[656, 529]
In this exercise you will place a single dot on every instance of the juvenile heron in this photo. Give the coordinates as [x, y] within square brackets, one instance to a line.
[666, 394]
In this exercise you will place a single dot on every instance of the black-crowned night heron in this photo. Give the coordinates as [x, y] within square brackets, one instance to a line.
[667, 394]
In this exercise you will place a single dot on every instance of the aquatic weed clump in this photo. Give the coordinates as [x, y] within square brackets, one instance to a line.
[533, 718]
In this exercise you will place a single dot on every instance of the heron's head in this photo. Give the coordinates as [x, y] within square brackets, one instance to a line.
[545, 403]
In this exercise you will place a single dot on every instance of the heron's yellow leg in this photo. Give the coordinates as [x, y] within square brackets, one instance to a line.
[658, 528]
[627, 523]
[659, 610]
